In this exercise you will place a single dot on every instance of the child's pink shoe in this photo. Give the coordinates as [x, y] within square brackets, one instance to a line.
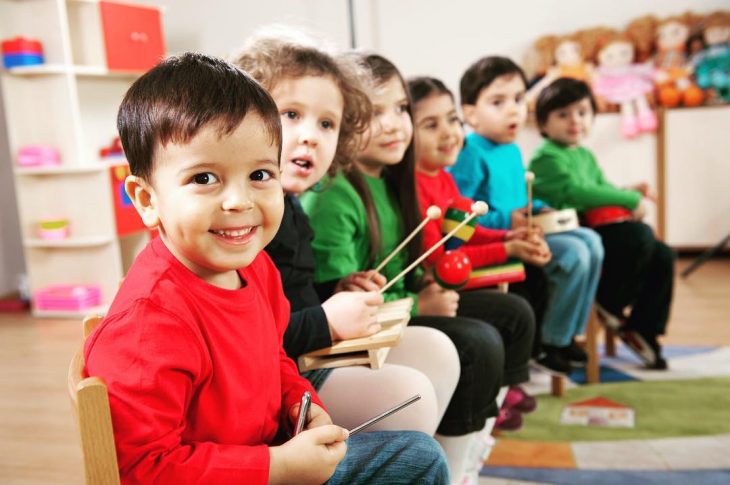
[647, 121]
[629, 126]
[508, 420]
[517, 398]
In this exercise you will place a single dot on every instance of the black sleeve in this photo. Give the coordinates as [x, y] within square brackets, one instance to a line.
[308, 330]
[325, 289]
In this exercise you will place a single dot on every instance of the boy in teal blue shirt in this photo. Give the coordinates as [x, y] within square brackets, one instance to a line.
[490, 168]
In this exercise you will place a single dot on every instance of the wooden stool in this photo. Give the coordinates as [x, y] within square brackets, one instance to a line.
[593, 366]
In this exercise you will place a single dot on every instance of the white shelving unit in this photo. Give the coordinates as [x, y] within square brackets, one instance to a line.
[70, 103]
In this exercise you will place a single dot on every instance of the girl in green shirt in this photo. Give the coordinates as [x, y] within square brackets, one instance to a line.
[362, 215]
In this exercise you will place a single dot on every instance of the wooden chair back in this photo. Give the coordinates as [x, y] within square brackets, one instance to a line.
[90, 403]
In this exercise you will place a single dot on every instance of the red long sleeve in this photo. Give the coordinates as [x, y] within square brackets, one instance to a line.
[484, 248]
[197, 377]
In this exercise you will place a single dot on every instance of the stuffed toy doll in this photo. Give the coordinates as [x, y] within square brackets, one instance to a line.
[559, 56]
[666, 40]
[619, 80]
[712, 65]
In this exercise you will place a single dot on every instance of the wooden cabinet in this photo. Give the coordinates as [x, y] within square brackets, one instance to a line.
[696, 171]
[70, 103]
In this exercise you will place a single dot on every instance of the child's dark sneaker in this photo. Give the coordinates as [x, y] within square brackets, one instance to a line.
[639, 346]
[555, 360]
[575, 354]
[508, 420]
[608, 319]
[660, 363]
[517, 398]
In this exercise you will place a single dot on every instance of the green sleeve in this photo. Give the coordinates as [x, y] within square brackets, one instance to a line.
[337, 218]
[581, 187]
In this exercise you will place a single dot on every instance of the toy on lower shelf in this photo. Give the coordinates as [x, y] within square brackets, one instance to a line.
[38, 156]
[114, 150]
[53, 229]
[393, 316]
[22, 51]
[67, 297]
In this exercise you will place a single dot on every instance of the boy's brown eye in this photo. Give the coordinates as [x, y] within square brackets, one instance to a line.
[204, 178]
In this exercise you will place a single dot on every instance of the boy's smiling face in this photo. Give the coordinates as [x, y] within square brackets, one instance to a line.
[217, 199]
[500, 110]
[311, 113]
[570, 124]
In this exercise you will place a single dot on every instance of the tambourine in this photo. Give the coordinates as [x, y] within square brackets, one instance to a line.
[557, 221]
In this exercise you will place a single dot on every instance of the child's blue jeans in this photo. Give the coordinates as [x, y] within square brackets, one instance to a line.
[573, 276]
[392, 458]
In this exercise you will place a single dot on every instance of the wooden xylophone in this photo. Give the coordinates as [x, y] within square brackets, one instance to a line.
[393, 316]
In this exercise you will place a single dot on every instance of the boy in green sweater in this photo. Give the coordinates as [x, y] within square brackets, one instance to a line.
[635, 291]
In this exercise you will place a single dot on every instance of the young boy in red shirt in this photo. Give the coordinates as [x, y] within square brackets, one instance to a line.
[200, 388]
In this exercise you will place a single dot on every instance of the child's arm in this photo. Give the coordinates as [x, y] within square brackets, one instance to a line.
[553, 181]
[151, 371]
[479, 253]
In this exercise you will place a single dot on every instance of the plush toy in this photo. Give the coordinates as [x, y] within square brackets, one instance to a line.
[712, 65]
[666, 40]
[559, 56]
[619, 80]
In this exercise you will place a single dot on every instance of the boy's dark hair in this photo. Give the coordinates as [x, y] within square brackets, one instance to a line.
[483, 73]
[559, 94]
[423, 86]
[181, 95]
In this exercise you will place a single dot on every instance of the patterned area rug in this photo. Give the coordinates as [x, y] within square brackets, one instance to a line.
[682, 431]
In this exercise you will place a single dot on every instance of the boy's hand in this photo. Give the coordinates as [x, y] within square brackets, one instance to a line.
[317, 416]
[640, 212]
[535, 251]
[518, 218]
[361, 281]
[521, 232]
[310, 457]
[646, 191]
[437, 302]
[352, 314]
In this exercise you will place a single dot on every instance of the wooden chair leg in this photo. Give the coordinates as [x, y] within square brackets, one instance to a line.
[610, 338]
[593, 366]
[557, 386]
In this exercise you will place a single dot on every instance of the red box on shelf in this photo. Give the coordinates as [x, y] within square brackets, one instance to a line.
[132, 36]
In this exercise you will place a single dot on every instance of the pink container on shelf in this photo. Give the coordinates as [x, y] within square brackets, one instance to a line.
[38, 156]
[67, 297]
[53, 229]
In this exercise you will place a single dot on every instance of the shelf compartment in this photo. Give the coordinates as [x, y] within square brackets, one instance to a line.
[71, 242]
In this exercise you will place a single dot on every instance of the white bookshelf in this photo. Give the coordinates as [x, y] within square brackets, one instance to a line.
[70, 103]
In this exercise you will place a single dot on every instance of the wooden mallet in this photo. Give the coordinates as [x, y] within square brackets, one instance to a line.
[529, 177]
[432, 214]
[479, 208]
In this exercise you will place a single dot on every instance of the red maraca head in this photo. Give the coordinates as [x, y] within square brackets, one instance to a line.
[452, 270]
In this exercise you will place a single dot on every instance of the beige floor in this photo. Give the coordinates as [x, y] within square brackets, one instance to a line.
[38, 440]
